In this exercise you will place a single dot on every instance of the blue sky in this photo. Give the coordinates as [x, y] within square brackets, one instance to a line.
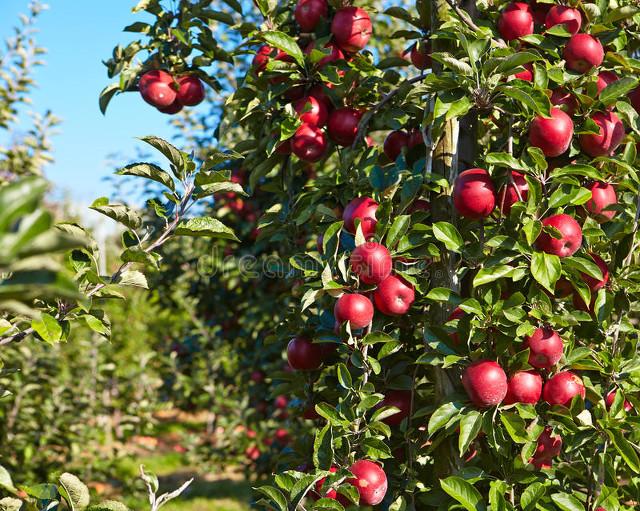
[78, 36]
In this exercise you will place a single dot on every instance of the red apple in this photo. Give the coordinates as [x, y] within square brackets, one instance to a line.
[602, 196]
[474, 195]
[583, 52]
[191, 91]
[607, 140]
[351, 28]
[634, 97]
[394, 143]
[252, 452]
[363, 209]
[173, 108]
[564, 100]
[553, 136]
[394, 296]
[311, 111]
[508, 194]
[370, 480]
[524, 387]
[400, 399]
[421, 55]
[571, 238]
[486, 383]
[281, 402]
[419, 205]
[304, 355]
[331, 493]
[515, 21]
[308, 13]
[562, 387]
[257, 376]
[343, 125]
[157, 88]
[610, 398]
[549, 446]
[545, 348]
[570, 18]
[527, 74]
[593, 283]
[605, 78]
[355, 308]
[457, 313]
[309, 143]
[371, 262]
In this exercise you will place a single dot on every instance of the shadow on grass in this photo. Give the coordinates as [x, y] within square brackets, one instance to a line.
[239, 490]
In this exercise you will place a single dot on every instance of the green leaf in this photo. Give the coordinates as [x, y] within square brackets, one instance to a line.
[531, 495]
[344, 376]
[285, 43]
[443, 415]
[75, 493]
[323, 448]
[443, 294]
[463, 492]
[546, 269]
[148, 171]
[486, 275]
[107, 95]
[535, 100]
[449, 235]
[626, 450]
[515, 426]
[133, 278]
[274, 495]
[208, 227]
[504, 160]
[118, 212]
[469, 428]
[497, 501]
[179, 159]
[398, 229]
[6, 483]
[566, 502]
[48, 328]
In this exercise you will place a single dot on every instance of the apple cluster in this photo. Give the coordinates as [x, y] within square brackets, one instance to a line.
[170, 94]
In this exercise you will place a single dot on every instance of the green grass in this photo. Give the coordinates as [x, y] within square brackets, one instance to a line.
[226, 492]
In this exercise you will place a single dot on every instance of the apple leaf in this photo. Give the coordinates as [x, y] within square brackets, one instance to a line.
[546, 269]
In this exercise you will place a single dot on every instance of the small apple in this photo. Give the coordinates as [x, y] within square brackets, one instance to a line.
[363, 209]
[421, 55]
[605, 78]
[603, 195]
[570, 231]
[394, 143]
[515, 21]
[583, 52]
[524, 387]
[486, 383]
[561, 15]
[191, 90]
[605, 143]
[311, 111]
[508, 194]
[309, 143]
[593, 283]
[257, 376]
[355, 308]
[400, 399]
[548, 447]
[173, 108]
[526, 74]
[304, 355]
[553, 136]
[562, 387]
[394, 296]
[634, 98]
[308, 13]
[351, 28]
[157, 88]
[610, 398]
[545, 348]
[474, 195]
[370, 480]
[457, 313]
[371, 262]
[343, 125]
[564, 100]
[252, 452]
[281, 402]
